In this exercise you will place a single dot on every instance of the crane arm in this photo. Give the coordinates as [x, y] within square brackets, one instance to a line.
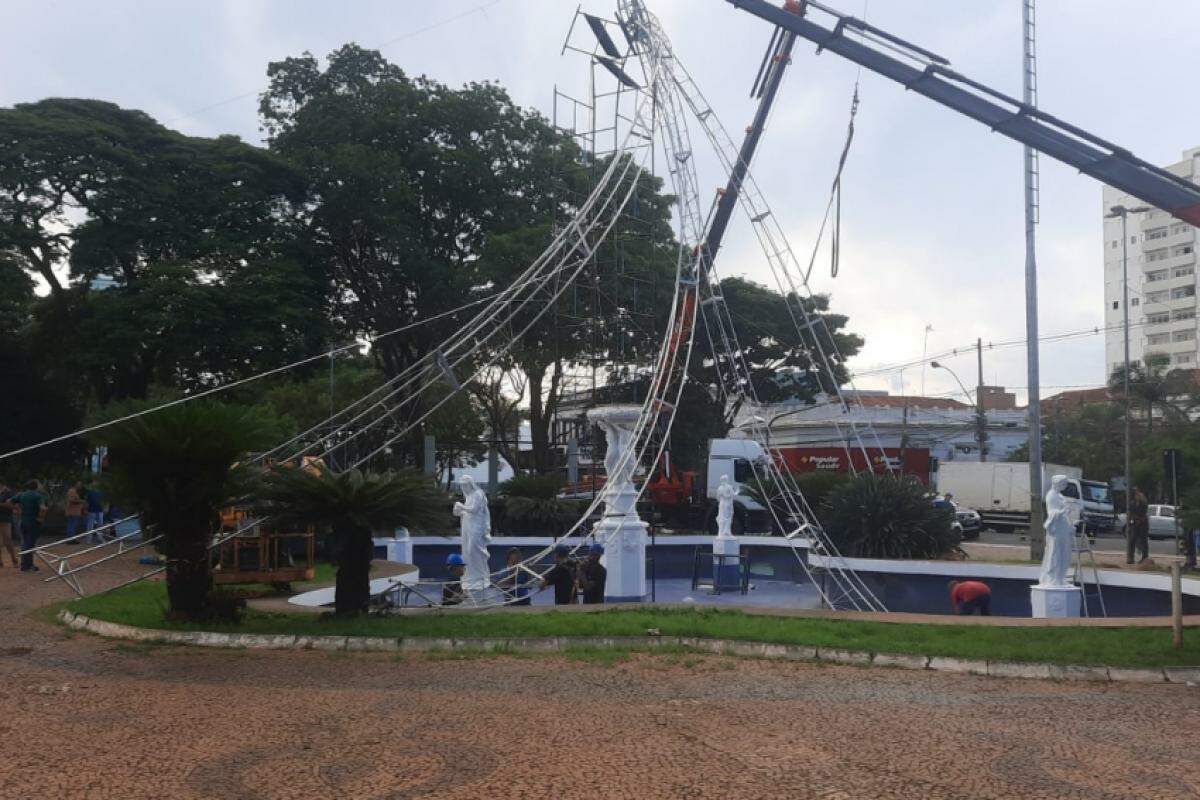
[930, 75]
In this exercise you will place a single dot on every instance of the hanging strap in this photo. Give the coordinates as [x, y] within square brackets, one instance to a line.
[835, 202]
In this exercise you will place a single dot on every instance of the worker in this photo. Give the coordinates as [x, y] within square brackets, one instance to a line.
[452, 592]
[1137, 527]
[592, 576]
[516, 580]
[561, 576]
[967, 597]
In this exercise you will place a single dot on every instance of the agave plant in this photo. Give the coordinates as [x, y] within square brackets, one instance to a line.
[353, 504]
[885, 516]
[177, 468]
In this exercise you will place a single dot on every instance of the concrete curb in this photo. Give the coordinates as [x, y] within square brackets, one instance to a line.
[425, 644]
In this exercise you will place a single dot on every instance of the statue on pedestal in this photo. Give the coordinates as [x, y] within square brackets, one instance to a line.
[1061, 515]
[476, 529]
[725, 495]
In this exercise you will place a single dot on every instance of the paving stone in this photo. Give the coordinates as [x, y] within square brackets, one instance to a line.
[1183, 675]
[962, 665]
[1017, 669]
[902, 660]
[1125, 675]
[1074, 672]
[843, 656]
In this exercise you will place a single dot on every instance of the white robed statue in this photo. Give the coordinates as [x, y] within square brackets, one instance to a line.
[476, 526]
[1061, 515]
[725, 495]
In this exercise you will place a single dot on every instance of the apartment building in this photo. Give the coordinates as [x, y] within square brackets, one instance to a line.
[1162, 281]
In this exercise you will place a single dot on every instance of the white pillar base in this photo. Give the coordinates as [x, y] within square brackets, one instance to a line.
[1055, 601]
[399, 548]
[726, 572]
[624, 540]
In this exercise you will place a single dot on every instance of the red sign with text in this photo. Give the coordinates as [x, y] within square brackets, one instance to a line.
[911, 461]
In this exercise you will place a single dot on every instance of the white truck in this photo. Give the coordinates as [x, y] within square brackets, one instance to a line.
[999, 491]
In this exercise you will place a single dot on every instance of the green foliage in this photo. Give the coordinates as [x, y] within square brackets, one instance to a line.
[534, 487]
[529, 504]
[884, 516]
[370, 500]
[1117, 647]
[176, 466]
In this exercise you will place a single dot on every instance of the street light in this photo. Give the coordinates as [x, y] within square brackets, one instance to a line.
[980, 430]
[1123, 212]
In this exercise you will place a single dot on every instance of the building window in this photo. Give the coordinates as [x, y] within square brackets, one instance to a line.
[1158, 338]
[1114, 244]
[1115, 304]
[1156, 233]
[1183, 313]
[1181, 250]
[1179, 227]
[1136, 301]
[1185, 358]
[1182, 272]
[1188, 335]
[1157, 297]
[1157, 255]
[1158, 319]
[1183, 291]
[1156, 275]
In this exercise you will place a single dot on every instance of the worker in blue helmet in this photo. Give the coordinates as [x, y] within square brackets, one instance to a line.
[592, 576]
[452, 591]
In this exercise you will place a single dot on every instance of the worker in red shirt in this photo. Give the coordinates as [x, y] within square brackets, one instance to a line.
[967, 597]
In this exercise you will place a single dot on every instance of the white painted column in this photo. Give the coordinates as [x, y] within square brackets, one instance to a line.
[621, 531]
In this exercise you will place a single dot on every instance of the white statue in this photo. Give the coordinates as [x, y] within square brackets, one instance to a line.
[476, 529]
[618, 439]
[725, 495]
[1061, 515]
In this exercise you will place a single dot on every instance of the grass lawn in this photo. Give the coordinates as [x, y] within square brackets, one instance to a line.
[142, 604]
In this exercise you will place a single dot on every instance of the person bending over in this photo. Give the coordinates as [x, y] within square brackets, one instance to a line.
[967, 597]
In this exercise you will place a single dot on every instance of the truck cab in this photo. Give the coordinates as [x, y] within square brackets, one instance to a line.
[1097, 515]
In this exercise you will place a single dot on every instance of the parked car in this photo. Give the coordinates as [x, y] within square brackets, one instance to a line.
[966, 521]
[1162, 522]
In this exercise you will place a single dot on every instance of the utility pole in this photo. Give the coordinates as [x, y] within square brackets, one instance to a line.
[980, 418]
[1123, 212]
[1037, 535]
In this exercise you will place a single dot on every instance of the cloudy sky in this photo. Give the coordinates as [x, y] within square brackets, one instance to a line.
[932, 213]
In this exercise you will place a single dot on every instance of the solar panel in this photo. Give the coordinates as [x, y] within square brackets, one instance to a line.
[598, 28]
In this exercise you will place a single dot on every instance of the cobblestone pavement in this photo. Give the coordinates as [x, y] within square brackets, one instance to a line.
[87, 718]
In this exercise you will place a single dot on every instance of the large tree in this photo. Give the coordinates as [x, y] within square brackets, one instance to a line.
[167, 257]
[781, 353]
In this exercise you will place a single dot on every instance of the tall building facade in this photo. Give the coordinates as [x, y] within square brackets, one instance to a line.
[1162, 282]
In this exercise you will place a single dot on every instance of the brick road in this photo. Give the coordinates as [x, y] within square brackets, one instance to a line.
[83, 717]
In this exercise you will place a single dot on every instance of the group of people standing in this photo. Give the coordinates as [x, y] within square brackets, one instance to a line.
[573, 580]
[23, 514]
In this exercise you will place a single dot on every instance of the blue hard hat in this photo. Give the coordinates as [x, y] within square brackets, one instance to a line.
[596, 548]
[455, 560]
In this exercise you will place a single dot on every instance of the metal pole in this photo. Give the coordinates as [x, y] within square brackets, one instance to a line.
[1037, 535]
[980, 419]
[1177, 604]
[1125, 327]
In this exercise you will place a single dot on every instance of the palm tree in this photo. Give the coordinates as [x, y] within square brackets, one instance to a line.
[1153, 387]
[353, 504]
[177, 467]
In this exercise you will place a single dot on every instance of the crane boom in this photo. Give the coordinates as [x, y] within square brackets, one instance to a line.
[930, 75]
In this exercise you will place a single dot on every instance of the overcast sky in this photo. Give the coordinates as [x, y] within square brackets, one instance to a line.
[932, 213]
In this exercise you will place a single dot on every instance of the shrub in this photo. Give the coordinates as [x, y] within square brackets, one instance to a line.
[885, 516]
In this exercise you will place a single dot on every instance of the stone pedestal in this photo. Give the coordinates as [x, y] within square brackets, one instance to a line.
[726, 573]
[399, 548]
[621, 531]
[1055, 601]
